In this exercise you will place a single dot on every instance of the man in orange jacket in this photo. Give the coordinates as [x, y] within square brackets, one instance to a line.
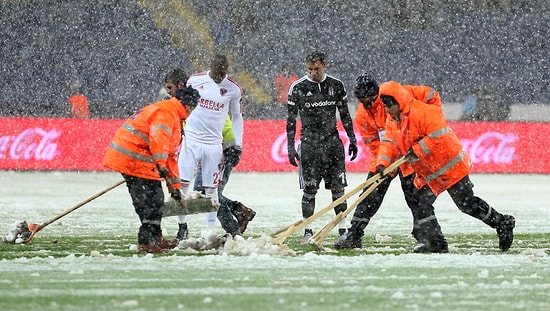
[370, 119]
[143, 150]
[440, 162]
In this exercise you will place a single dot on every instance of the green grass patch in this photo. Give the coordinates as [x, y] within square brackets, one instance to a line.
[102, 273]
[58, 247]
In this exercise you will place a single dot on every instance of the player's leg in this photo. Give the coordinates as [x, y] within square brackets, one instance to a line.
[188, 163]
[309, 179]
[239, 213]
[334, 173]
[212, 171]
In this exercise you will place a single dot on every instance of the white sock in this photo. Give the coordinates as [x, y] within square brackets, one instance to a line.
[343, 223]
[211, 217]
[184, 188]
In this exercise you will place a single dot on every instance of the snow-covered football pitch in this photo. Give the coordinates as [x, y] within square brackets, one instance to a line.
[85, 260]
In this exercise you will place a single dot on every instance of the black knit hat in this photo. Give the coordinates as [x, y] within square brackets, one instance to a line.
[188, 96]
[365, 86]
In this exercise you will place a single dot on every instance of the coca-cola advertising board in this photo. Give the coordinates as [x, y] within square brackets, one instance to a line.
[54, 143]
[495, 147]
[77, 144]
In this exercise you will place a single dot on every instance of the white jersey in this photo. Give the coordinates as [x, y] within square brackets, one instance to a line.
[205, 124]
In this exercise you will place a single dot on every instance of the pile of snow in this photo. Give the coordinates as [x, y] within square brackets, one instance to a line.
[228, 245]
[18, 233]
[382, 239]
[260, 246]
[209, 240]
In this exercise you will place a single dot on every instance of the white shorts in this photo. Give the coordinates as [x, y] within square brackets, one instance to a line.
[194, 154]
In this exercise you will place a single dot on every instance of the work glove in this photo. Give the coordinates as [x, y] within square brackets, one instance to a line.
[163, 171]
[380, 170]
[293, 155]
[232, 155]
[352, 151]
[176, 195]
[411, 156]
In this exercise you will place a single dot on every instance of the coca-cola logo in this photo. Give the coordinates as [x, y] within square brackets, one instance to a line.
[491, 147]
[30, 144]
[279, 151]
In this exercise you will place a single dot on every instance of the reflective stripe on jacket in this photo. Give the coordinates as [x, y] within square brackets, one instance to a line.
[442, 159]
[149, 137]
[371, 122]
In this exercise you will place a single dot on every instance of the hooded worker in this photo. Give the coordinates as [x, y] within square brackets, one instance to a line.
[440, 162]
[370, 119]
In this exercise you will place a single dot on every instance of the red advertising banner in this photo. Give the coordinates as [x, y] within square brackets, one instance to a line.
[77, 144]
[55, 143]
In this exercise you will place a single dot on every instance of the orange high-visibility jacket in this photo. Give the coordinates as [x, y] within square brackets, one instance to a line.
[79, 106]
[443, 160]
[371, 122]
[149, 137]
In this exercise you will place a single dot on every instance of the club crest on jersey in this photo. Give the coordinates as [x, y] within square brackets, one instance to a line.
[330, 91]
[223, 92]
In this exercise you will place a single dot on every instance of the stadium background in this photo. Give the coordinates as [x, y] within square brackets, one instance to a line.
[119, 51]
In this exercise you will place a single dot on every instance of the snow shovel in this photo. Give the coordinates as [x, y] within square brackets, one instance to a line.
[192, 203]
[299, 223]
[317, 238]
[34, 228]
[289, 230]
[284, 233]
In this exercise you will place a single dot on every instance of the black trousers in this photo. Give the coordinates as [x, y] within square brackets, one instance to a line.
[463, 196]
[148, 198]
[371, 204]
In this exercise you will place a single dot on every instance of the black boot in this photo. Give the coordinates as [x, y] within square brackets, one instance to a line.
[243, 214]
[430, 237]
[505, 232]
[353, 240]
[425, 246]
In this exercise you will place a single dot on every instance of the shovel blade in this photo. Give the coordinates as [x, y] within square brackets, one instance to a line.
[190, 206]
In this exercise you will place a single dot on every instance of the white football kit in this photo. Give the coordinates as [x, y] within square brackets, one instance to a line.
[202, 144]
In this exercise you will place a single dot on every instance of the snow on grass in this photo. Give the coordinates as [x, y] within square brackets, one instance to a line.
[100, 272]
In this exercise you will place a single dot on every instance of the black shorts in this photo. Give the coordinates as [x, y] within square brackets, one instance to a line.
[322, 161]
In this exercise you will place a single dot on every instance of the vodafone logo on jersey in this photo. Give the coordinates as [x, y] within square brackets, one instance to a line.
[320, 104]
